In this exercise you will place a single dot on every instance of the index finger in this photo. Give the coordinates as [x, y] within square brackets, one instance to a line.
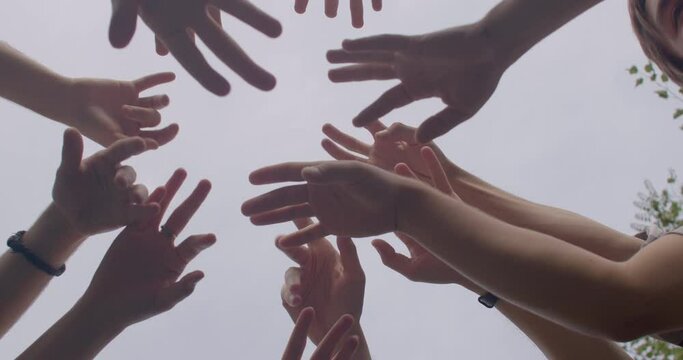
[171, 188]
[440, 124]
[152, 80]
[290, 171]
[185, 211]
[187, 54]
[125, 149]
[297, 341]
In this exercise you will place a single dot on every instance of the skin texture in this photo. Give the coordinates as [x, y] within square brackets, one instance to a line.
[350, 198]
[331, 282]
[332, 6]
[462, 65]
[332, 340]
[175, 23]
[139, 277]
[103, 110]
[90, 196]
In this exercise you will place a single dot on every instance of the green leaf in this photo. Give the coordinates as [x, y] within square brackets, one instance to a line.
[633, 70]
[649, 68]
[653, 77]
[678, 113]
[639, 82]
[664, 77]
[662, 94]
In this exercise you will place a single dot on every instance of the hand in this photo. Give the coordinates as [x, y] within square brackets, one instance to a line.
[98, 194]
[349, 198]
[170, 20]
[333, 339]
[331, 7]
[456, 65]
[109, 110]
[421, 266]
[331, 282]
[138, 277]
[391, 147]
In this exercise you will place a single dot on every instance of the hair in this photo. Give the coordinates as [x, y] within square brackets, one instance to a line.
[654, 43]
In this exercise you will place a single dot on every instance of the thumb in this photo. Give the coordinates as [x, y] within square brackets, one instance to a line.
[124, 17]
[172, 295]
[72, 150]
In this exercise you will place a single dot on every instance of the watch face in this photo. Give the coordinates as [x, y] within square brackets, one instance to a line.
[489, 300]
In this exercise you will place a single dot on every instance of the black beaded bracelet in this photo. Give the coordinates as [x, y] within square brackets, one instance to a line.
[17, 246]
[489, 300]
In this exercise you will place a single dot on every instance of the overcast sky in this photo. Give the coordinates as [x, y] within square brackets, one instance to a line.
[566, 128]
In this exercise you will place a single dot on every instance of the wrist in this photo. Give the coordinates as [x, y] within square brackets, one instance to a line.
[53, 237]
[409, 202]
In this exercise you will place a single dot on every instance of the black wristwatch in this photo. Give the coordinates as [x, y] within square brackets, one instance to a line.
[489, 300]
[16, 244]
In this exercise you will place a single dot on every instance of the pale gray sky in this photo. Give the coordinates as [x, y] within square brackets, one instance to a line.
[565, 128]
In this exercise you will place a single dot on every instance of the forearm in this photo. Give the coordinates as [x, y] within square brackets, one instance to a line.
[564, 225]
[80, 334]
[53, 240]
[532, 270]
[515, 26]
[33, 86]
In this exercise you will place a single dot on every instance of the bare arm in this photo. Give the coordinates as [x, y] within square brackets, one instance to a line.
[54, 240]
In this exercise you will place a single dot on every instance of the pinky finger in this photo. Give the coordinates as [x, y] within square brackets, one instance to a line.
[162, 136]
[172, 295]
[377, 5]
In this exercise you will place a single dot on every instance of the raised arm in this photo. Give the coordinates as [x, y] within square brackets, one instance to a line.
[460, 65]
[91, 196]
[139, 277]
[103, 110]
[396, 144]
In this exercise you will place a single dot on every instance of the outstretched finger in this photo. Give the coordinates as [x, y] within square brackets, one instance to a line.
[378, 42]
[251, 15]
[357, 13]
[333, 338]
[300, 6]
[390, 258]
[172, 295]
[161, 136]
[362, 72]
[170, 189]
[150, 81]
[192, 246]
[349, 256]
[284, 172]
[377, 5]
[331, 8]
[160, 47]
[124, 17]
[303, 236]
[139, 213]
[391, 100]
[375, 127]
[72, 151]
[404, 170]
[341, 56]
[127, 148]
[298, 254]
[440, 124]
[338, 153]
[156, 102]
[281, 215]
[297, 341]
[145, 117]
[346, 140]
[187, 54]
[436, 171]
[186, 210]
[276, 199]
[125, 177]
[231, 54]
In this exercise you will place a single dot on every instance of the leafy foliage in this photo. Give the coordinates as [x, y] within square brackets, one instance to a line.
[664, 87]
[662, 209]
